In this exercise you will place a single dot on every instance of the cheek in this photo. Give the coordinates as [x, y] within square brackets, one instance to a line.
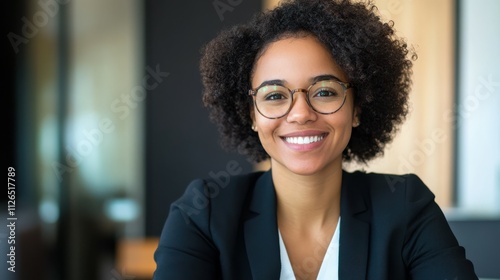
[265, 126]
[344, 115]
[341, 122]
[266, 129]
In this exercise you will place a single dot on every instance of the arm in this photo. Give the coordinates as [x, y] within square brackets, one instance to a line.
[185, 250]
[431, 251]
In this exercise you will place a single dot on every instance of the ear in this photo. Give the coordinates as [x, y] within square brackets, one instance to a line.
[356, 121]
[252, 116]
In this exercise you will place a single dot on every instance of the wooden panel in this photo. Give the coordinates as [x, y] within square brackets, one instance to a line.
[425, 143]
[134, 257]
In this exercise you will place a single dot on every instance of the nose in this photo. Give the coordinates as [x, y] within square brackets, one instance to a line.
[301, 112]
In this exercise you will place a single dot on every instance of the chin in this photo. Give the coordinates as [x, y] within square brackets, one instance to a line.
[307, 166]
[304, 169]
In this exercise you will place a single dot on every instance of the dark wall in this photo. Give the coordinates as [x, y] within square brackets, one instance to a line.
[181, 143]
[10, 65]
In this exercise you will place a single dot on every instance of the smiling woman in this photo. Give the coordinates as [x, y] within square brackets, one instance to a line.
[298, 61]
[309, 85]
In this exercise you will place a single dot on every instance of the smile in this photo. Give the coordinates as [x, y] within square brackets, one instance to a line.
[304, 140]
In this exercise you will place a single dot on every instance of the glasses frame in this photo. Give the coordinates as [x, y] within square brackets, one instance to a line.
[345, 86]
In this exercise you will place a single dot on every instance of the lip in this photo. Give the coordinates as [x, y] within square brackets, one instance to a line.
[305, 147]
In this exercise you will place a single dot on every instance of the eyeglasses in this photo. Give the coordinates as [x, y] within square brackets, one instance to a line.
[274, 100]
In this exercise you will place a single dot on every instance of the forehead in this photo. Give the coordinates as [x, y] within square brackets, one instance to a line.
[295, 60]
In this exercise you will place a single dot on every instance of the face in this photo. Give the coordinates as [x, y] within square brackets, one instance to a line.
[303, 141]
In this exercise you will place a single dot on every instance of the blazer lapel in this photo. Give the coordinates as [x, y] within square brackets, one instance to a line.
[354, 228]
[261, 231]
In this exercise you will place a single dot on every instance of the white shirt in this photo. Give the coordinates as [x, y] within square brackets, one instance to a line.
[329, 267]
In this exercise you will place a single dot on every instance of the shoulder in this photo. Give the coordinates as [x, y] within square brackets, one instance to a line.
[380, 185]
[214, 196]
[220, 187]
[201, 224]
[402, 210]
[388, 195]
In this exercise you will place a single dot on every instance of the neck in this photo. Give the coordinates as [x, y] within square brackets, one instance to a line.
[310, 202]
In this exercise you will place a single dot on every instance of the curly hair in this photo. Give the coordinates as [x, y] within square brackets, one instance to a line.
[374, 59]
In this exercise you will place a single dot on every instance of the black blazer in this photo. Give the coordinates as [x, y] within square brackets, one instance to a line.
[390, 228]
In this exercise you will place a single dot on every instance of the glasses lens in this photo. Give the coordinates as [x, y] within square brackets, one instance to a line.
[327, 96]
[273, 101]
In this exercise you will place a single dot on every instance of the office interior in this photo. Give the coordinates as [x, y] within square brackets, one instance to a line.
[106, 128]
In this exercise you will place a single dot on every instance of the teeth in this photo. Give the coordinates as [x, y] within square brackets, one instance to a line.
[303, 140]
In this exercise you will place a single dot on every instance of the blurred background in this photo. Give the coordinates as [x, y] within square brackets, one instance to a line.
[105, 126]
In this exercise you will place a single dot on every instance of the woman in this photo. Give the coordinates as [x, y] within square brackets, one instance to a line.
[309, 85]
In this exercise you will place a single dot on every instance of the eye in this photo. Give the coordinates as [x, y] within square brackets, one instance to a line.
[273, 93]
[275, 96]
[326, 92]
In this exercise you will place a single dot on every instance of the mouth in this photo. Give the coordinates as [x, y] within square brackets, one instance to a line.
[304, 140]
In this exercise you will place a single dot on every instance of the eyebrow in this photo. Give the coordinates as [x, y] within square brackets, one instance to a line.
[272, 82]
[312, 80]
[324, 77]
